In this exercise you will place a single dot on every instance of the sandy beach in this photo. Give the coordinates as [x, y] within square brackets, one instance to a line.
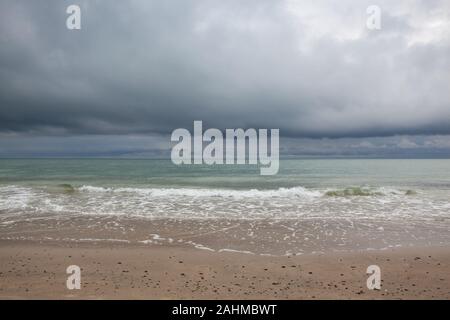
[33, 270]
[160, 233]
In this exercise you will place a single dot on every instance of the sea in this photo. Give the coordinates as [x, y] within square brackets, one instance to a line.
[310, 206]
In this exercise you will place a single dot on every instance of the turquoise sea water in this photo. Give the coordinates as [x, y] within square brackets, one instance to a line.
[310, 206]
[418, 188]
[162, 173]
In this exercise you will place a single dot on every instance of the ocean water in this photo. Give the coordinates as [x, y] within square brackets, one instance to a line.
[314, 203]
[157, 188]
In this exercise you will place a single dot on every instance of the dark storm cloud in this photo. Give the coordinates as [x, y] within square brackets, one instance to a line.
[310, 69]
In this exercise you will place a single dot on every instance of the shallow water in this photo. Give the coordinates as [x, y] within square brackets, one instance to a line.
[311, 205]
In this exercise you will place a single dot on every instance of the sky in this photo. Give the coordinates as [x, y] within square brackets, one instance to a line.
[139, 69]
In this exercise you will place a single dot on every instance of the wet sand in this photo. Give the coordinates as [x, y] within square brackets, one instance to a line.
[260, 236]
[37, 270]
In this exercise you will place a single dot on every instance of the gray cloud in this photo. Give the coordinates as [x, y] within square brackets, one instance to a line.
[148, 67]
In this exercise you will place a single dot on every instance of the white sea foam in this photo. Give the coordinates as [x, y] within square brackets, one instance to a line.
[235, 251]
[281, 203]
[202, 192]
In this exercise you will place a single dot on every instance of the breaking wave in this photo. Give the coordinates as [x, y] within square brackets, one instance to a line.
[202, 192]
[159, 202]
[364, 191]
[254, 193]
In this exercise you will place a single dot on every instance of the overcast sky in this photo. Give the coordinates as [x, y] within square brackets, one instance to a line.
[137, 70]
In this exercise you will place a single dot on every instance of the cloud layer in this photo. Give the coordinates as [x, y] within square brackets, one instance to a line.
[312, 69]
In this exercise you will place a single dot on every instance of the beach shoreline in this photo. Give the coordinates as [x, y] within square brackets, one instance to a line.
[37, 270]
